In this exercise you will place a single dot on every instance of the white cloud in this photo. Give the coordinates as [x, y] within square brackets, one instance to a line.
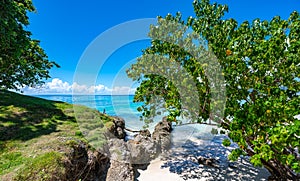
[122, 90]
[57, 86]
[80, 89]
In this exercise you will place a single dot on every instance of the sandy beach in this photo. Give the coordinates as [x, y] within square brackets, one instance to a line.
[181, 162]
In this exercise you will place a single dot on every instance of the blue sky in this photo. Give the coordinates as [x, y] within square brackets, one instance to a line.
[66, 28]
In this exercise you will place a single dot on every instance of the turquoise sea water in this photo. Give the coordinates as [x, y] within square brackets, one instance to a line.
[111, 104]
[124, 107]
[115, 105]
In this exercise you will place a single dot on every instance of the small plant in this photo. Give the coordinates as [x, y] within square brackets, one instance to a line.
[226, 142]
[214, 131]
[78, 133]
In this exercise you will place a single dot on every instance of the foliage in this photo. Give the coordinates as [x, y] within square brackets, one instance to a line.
[226, 142]
[22, 60]
[214, 131]
[170, 69]
[260, 62]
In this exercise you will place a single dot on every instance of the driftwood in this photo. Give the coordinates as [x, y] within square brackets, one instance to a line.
[211, 124]
[133, 131]
[144, 132]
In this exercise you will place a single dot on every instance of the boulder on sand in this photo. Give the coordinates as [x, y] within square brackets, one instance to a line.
[143, 149]
[162, 134]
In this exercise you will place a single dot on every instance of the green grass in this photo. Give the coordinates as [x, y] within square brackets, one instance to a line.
[35, 168]
[35, 135]
[10, 160]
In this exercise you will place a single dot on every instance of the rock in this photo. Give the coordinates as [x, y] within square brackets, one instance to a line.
[142, 149]
[163, 126]
[118, 150]
[117, 128]
[125, 156]
[120, 171]
[121, 160]
[193, 159]
[120, 133]
[207, 161]
[111, 128]
[80, 163]
[145, 133]
[98, 166]
[162, 134]
[79, 153]
[119, 122]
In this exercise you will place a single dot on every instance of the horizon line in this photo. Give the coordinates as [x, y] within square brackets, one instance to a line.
[59, 94]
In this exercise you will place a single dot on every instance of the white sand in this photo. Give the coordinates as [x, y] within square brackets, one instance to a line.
[155, 172]
[182, 162]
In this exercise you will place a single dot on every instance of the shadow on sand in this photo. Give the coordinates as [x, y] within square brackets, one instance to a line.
[183, 161]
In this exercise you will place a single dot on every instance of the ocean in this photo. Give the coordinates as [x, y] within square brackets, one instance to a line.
[123, 106]
[114, 105]
[111, 104]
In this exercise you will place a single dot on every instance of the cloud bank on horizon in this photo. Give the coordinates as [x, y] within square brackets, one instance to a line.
[57, 86]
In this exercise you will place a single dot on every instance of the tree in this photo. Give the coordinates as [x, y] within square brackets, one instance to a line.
[22, 60]
[260, 63]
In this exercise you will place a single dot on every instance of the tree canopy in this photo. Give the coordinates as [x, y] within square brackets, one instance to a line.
[259, 61]
[22, 61]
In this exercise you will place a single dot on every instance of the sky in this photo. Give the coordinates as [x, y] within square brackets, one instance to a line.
[114, 32]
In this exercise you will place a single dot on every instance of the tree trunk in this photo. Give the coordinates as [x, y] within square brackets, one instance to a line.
[279, 171]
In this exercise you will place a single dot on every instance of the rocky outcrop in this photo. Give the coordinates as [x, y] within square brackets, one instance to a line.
[143, 149]
[86, 165]
[118, 150]
[117, 128]
[162, 134]
[120, 156]
[145, 133]
[120, 171]
[120, 159]
[127, 156]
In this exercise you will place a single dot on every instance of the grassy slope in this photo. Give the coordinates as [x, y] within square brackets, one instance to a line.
[35, 135]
